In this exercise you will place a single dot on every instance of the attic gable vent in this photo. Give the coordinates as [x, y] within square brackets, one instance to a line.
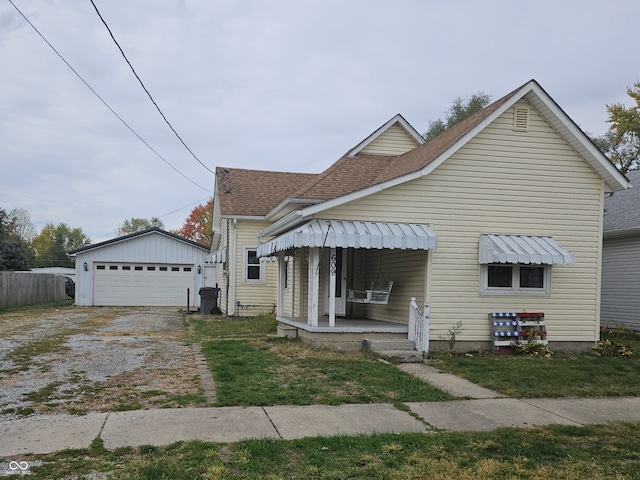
[521, 119]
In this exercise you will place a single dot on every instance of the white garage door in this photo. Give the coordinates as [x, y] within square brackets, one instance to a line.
[130, 284]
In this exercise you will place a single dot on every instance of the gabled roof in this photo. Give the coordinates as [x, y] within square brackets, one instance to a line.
[622, 209]
[142, 233]
[336, 181]
[254, 193]
[357, 174]
[396, 120]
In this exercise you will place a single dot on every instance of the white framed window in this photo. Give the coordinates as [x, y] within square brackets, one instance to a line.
[515, 279]
[252, 267]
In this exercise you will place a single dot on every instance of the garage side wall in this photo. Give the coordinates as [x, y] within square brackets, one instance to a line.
[154, 248]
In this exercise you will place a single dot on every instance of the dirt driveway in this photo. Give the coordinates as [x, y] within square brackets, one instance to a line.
[79, 360]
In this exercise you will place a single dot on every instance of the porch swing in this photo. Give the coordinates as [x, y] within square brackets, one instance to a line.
[377, 294]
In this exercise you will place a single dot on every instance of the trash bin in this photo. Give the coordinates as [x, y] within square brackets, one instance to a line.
[209, 300]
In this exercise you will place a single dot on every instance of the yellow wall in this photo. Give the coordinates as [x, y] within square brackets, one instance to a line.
[502, 182]
[261, 297]
[394, 141]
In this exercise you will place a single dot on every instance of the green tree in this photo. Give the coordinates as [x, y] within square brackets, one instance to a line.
[54, 241]
[621, 143]
[198, 225]
[15, 252]
[459, 110]
[134, 225]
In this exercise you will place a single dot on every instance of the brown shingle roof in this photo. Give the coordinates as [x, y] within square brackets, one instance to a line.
[255, 192]
[420, 157]
[346, 175]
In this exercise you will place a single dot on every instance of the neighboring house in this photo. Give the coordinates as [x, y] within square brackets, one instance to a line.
[500, 213]
[621, 258]
[148, 268]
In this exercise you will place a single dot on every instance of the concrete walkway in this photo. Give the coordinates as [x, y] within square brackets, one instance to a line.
[486, 411]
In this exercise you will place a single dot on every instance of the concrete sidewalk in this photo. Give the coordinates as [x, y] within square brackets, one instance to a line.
[50, 433]
[482, 410]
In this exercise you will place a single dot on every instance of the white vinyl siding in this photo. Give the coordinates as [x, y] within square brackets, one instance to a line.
[394, 141]
[153, 249]
[502, 182]
[621, 283]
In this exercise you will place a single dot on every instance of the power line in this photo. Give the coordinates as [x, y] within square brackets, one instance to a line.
[103, 101]
[162, 216]
[147, 91]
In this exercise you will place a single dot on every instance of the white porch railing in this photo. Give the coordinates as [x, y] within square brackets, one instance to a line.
[419, 325]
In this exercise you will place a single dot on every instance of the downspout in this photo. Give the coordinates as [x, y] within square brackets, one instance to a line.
[226, 307]
[235, 267]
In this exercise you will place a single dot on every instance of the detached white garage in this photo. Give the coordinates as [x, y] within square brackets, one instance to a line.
[148, 268]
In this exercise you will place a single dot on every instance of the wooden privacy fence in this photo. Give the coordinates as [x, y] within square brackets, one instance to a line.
[17, 289]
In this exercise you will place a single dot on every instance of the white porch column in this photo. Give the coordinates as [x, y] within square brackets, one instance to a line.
[281, 277]
[314, 286]
[332, 287]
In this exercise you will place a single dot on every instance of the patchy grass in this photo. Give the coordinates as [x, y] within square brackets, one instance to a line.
[23, 356]
[563, 375]
[221, 327]
[251, 368]
[28, 310]
[571, 453]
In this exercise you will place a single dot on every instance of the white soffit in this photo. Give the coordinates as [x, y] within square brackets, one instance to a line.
[523, 249]
[353, 234]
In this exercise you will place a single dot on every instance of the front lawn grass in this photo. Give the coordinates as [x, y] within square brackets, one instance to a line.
[562, 375]
[252, 367]
[567, 452]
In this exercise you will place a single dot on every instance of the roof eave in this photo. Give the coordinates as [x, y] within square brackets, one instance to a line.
[288, 205]
[396, 119]
[621, 233]
[579, 141]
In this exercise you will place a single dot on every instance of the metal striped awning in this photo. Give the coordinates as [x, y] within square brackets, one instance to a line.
[523, 249]
[353, 234]
[219, 256]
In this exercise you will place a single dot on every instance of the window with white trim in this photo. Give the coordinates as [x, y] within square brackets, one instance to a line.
[252, 267]
[515, 279]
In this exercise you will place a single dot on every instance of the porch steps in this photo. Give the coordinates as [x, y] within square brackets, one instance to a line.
[399, 351]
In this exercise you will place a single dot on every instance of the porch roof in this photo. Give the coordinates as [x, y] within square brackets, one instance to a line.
[353, 234]
[219, 256]
[523, 249]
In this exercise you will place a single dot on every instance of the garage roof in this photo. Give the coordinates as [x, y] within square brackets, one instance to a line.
[124, 238]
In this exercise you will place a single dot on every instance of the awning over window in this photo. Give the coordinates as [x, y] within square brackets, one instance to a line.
[219, 256]
[353, 234]
[523, 249]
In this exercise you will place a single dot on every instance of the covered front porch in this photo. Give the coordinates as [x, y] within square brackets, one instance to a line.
[347, 333]
[327, 269]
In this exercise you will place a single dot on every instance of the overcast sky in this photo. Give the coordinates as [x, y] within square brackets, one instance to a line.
[271, 85]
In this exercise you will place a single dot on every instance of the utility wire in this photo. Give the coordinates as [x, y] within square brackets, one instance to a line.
[161, 216]
[103, 101]
[147, 91]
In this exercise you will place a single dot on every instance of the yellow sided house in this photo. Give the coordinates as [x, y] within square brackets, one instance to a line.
[494, 223]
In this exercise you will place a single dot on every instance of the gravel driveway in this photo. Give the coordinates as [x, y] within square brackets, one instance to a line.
[79, 360]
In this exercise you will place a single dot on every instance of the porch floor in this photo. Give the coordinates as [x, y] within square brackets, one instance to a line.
[346, 325]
